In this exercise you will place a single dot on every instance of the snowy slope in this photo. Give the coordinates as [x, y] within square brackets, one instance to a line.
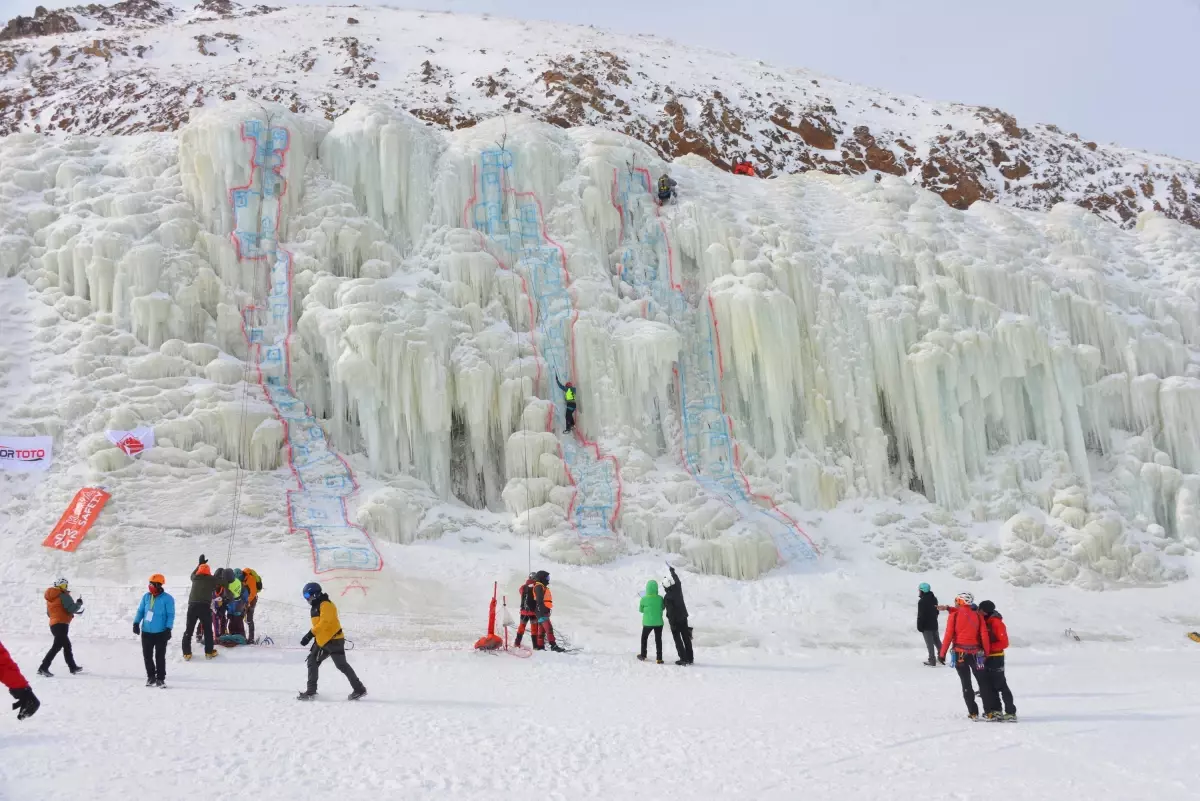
[145, 65]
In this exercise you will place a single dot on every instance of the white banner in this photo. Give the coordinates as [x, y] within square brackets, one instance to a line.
[132, 442]
[26, 454]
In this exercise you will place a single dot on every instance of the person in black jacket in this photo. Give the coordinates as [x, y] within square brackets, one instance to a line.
[529, 616]
[677, 617]
[199, 609]
[568, 390]
[927, 622]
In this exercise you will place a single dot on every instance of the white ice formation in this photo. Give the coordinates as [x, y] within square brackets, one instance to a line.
[753, 352]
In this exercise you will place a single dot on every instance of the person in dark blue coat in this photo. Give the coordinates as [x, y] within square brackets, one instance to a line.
[927, 621]
[154, 619]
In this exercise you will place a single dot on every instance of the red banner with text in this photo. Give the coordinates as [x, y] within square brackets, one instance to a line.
[78, 518]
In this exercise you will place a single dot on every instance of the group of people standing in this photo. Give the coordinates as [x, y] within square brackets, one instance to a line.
[653, 606]
[218, 601]
[976, 640]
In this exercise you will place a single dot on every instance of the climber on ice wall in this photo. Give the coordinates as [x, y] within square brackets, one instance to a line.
[568, 390]
[744, 168]
[666, 188]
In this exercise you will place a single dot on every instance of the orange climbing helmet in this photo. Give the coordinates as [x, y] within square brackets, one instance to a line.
[158, 578]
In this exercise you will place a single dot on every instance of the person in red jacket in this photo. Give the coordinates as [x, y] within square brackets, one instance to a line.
[997, 682]
[967, 632]
[10, 676]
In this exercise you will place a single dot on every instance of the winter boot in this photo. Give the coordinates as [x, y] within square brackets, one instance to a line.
[76, 669]
[557, 648]
[359, 693]
[210, 654]
[641, 657]
[306, 695]
[517, 641]
[659, 661]
[187, 657]
[680, 662]
[996, 716]
[45, 673]
[160, 684]
[1009, 717]
[151, 682]
[973, 716]
[930, 662]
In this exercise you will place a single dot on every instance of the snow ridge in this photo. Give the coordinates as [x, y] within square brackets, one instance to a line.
[146, 65]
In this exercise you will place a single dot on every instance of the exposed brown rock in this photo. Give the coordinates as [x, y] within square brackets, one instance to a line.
[42, 23]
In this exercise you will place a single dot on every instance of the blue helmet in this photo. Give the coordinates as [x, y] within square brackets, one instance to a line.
[311, 590]
[923, 587]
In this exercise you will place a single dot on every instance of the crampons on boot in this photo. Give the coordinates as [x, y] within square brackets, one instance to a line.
[306, 696]
[45, 673]
[993, 716]
[1010, 717]
[354, 696]
[210, 655]
[972, 716]
[557, 648]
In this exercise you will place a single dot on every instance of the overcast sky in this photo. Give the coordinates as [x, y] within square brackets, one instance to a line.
[1124, 71]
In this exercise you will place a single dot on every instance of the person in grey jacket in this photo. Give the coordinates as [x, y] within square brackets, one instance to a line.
[199, 609]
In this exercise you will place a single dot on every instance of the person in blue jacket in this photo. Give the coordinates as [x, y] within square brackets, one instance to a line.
[154, 619]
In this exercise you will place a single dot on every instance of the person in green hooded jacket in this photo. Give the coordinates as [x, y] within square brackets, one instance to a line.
[651, 608]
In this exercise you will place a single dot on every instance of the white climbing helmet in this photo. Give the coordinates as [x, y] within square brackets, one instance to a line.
[61, 583]
[964, 599]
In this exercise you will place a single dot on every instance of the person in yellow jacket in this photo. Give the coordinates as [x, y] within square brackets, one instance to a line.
[328, 642]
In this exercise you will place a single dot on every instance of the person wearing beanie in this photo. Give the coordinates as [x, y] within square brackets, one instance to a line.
[927, 621]
[997, 683]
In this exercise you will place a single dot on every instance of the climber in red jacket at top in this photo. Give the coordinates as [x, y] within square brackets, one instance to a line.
[744, 168]
[10, 675]
[967, 632]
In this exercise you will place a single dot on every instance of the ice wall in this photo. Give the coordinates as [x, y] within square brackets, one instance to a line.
[867, 343]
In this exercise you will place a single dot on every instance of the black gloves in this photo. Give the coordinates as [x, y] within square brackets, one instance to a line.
[306, 639]
[941, 660]
[27, 703]
[137, 629]
[168, 634]
[203, 561]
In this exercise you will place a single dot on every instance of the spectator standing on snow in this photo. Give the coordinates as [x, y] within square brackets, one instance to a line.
[154, 620]
[529, 616]
[10, 676]
[328, 642]
[543, 605]
[927, 621]
[199, 609]
[651, 607]
[253, 582]
[967, 632]
[61, 609]
[677, 617]
[997, 682]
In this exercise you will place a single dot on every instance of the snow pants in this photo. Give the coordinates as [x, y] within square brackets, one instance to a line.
[570, 416]
[547, 629]
[657, 640]
[932, 641]
[220, 621]
[237, 626]
[965, 665]
[997, 687]
[61, 643]
[682, 634]
[335, 650]
[535, 632]
[250, 620]
[154, 654]
[199, 621]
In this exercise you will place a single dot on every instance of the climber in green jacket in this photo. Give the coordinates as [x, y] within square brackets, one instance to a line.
[651, 608]
[568, 390]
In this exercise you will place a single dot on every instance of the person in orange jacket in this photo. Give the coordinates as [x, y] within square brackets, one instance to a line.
[529, 616]
[543, 601]
[967, 632]
[253, 582]
[744, 168]
[61, 609]
[997, 684]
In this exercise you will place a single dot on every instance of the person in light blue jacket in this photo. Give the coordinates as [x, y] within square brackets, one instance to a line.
[154, 619]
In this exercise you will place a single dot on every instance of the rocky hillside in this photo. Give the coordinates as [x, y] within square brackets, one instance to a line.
[144, 65]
